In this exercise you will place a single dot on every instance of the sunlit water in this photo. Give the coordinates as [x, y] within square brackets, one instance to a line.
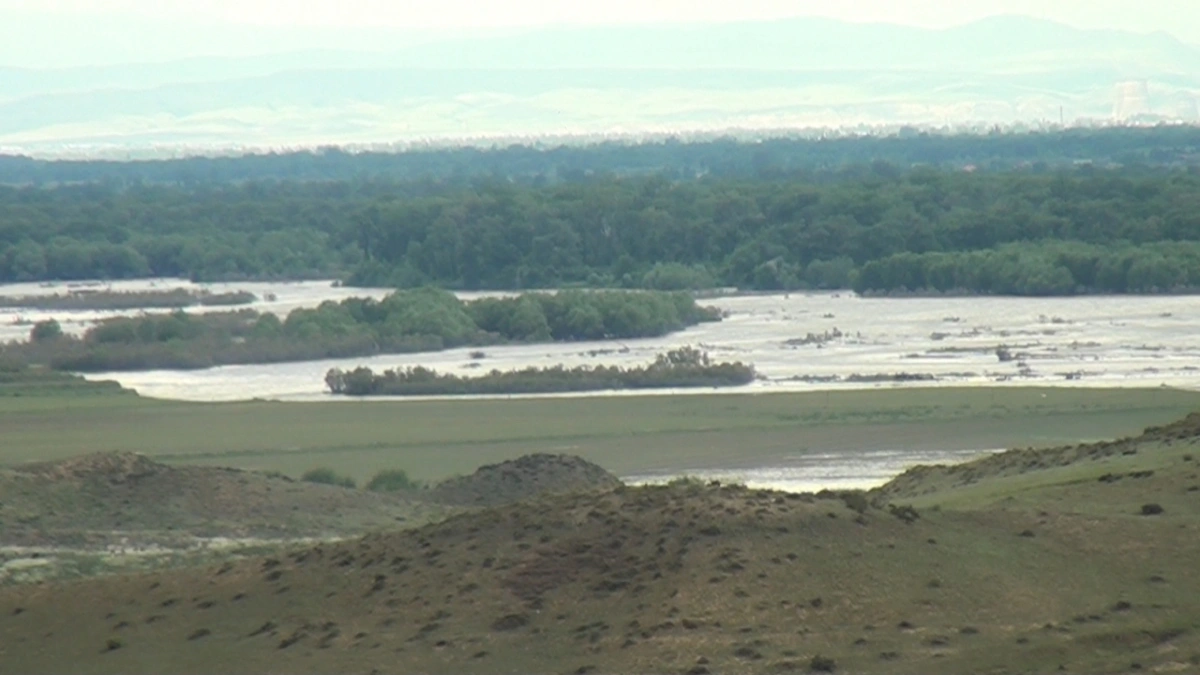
[1084, 341]
[844, 470]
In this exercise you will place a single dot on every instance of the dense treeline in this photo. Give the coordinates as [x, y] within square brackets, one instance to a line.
[769, 235]
[1049, 268]
[723, 157]
[407, 321]
[679, 368]
[220, 232]
[830, 230]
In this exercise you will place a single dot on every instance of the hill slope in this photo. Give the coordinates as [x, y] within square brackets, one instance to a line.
[109, 498]
[989, 577]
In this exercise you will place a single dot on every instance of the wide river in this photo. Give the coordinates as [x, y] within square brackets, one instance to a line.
[797, 342]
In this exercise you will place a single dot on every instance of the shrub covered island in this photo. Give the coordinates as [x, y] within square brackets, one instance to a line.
[679, 368]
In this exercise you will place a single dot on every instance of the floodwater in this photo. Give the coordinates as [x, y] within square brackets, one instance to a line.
[843, 470]
[797, 342]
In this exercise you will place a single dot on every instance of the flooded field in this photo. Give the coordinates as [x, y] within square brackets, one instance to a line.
[796, 342]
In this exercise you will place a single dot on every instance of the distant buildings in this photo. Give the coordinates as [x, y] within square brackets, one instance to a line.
[1132, 99]
[1132, 103]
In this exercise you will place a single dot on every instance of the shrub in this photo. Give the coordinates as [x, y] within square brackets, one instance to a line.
[327, 476]
[822, 664]
[45, 331]
[1152, 509]
[906, 513]
[856, 501]
[393, 480]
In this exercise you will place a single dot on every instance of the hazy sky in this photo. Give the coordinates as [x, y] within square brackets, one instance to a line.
[1179, 17]
[64, 33]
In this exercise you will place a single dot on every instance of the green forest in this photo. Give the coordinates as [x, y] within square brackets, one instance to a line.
[425, 319]
[874, 226]
[885, 230]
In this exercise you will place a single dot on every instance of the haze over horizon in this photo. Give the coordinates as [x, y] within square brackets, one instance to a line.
[82, 76]
[109, 21]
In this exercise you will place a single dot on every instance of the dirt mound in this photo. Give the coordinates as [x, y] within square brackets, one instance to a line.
[679, 579]
[114, 467]
[99, 499]
[524, 478]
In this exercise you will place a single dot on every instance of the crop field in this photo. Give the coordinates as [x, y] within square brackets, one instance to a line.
[436, 439]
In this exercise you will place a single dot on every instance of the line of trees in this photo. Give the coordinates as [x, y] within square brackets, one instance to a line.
[425, 319]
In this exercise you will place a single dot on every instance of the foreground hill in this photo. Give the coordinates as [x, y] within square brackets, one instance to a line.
[115, 498]
[1053, 568]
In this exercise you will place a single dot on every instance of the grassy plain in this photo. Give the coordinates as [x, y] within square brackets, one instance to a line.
[437, 439]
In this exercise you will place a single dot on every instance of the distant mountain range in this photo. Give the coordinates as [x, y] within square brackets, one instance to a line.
[377, 86]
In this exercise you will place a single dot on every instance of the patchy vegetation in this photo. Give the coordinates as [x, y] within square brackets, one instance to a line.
[125, 300]
[685, 367]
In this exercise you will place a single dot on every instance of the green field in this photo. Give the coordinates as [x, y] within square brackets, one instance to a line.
[436, 439]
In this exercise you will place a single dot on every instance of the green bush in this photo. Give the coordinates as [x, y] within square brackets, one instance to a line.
[45, 331]
[393, 480]
[327, 476]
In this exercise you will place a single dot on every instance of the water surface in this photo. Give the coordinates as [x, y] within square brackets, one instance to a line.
[797, 342]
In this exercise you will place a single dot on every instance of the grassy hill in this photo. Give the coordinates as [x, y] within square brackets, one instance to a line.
[1030, 562]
